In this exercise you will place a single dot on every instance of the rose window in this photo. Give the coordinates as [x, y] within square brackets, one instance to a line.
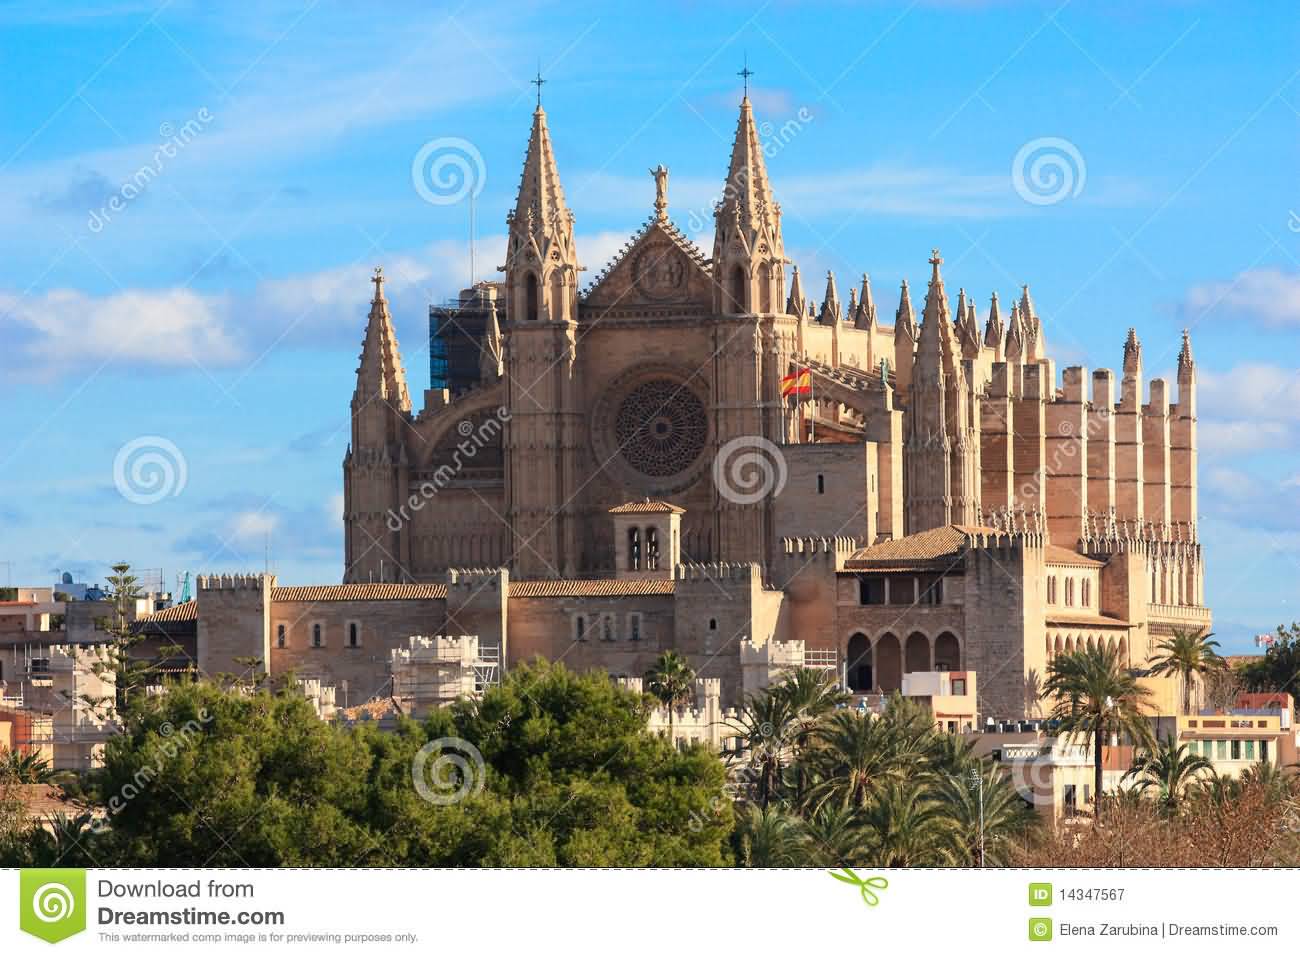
[661, 428]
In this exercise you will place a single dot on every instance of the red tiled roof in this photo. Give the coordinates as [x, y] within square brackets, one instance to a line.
[369, 591]
[592, 588]
[647, 507]
[185, 611]
[40, 800]
[1080, 618]
[562, 588]
[1059, 555]
[928, 546]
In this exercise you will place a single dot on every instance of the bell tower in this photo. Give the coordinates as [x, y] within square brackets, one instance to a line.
[375, 470]
[544, 434]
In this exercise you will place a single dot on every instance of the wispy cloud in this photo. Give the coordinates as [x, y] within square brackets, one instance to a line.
[1268, 296]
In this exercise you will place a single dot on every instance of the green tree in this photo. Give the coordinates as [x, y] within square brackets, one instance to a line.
[1188, 654]
[27, 767]
[833, 836]
[768, 837]
[1171, 769]
[988, 814]
[1279, 668]
[671, 680]
[1096, 696]
[909, 827]
[765, 727]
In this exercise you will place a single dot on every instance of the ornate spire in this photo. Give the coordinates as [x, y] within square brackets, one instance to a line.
[904, 319]
[831, 304]
[1035, 344]
[865, 317]
[1185, 361]
[380, 372]
[747, 194]
[540, 194]
[852, 309]
[993, 329]
[540, 251]
[1015, 347]
[1132, 354]
[490, 349]
[936, 327]
[794, 306]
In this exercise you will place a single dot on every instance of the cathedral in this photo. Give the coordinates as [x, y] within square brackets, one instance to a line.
[691, 452]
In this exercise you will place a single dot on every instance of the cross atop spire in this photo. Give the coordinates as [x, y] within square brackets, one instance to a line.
[378, 280]
[537, 82]
[745, 74]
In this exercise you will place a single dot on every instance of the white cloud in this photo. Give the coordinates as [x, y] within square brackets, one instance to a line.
[66, 329]
[1221, 440]
[1268, 296]
[252, 526]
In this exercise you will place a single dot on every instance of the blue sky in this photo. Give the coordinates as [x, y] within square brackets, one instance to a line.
[220, 307]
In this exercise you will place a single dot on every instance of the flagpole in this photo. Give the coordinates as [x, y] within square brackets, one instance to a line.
[812, 398]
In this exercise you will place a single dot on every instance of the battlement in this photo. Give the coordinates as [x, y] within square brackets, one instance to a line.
[233, 582]
[475, 581]
[840, 545]
[779, 654]
[438, 648]
[718, 571]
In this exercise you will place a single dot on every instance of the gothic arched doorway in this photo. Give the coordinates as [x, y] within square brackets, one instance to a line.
[858, 664]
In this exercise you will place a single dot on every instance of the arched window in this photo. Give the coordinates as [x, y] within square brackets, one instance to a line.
[532, 307]
[354, 634]
[1069, 591]
[713, 624]
[764, 288]
[580, 628]
[821, 484]
[279, 636]
[738, 296]
[652, 549]
[316, 640]
[634, 549]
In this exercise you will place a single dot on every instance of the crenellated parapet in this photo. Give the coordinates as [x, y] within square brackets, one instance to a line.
[718, 571]
[234, 582]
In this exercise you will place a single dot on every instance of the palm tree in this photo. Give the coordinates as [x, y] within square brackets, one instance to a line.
[27, 767]
[768, 837]
[987, 811]
[854, 752]
[764, 727]
[1187, 654]
[907, 827]
[1171, 767]
[809, 694]
[671, 680]
[832, 837]
[1097, 696]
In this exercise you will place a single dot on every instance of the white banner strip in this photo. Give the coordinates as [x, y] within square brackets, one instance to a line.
[642, 912]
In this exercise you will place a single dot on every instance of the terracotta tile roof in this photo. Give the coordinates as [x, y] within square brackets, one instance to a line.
[1080, 618]
[371, 591]
[1060, 555]
[928, 546]
[592, 588]
[185, 611]
[646, 507]
[41, 800]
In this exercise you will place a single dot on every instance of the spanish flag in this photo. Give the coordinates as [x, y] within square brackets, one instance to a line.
[797, 383]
